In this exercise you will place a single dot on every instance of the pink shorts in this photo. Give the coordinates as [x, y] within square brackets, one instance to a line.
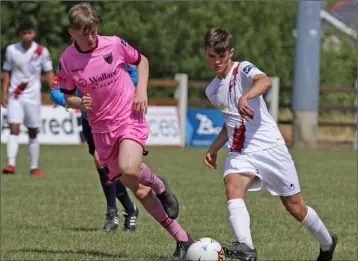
[107, 144]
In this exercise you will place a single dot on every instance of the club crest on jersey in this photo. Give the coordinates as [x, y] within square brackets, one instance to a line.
[108, 58]
[82, 83]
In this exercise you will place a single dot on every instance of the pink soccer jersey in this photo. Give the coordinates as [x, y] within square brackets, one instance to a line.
[101, 73]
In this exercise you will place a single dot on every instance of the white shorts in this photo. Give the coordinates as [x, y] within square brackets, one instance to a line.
[20, 111]
[274, 170]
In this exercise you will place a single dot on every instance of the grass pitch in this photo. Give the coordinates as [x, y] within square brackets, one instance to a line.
[61, 217]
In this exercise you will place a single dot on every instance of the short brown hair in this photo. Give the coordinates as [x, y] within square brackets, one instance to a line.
[82, 17]
[218, 39]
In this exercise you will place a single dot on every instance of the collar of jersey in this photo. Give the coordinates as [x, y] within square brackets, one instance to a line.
[33, 44]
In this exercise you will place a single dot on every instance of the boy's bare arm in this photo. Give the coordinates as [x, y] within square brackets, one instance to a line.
[220, 140]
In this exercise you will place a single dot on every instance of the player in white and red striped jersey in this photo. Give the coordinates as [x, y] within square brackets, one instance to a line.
[258, 156]
[21, 93]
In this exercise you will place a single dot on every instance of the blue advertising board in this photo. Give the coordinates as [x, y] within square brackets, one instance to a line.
[203, 126]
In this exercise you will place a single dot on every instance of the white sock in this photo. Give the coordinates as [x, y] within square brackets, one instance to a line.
[12, 148]
[34, 151]
[315, 225]
[240, 221]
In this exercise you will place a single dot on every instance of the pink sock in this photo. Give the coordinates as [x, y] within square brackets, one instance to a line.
[149, 179]
[172, 226]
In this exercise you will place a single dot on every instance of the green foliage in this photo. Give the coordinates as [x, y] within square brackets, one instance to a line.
[170, 34]
[338, 68]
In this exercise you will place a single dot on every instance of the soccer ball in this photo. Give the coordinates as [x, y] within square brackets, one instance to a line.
[205, 249]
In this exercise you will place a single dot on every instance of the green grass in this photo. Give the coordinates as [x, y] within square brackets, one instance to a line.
[61, 217]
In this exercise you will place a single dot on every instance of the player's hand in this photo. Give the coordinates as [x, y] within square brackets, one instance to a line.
[244, 109]
[210, 159]
[140, 103]
[86, 102]
[4, 100]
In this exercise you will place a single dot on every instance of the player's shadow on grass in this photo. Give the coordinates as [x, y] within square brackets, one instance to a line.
[75, 229]
[84, 229]
[30, 227]
[78, 252]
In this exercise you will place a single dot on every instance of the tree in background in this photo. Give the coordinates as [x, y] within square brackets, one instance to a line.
[171, 34]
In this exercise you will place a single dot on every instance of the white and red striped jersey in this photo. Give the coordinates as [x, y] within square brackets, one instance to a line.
[25, 67]
[244, 136]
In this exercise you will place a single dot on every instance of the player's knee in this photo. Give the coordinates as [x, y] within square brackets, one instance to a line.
[142, 192]
[33, 134]
[297, 211]
[14, 129]
[130, 169]
[234, 190]
[15, 132]
[296, 207]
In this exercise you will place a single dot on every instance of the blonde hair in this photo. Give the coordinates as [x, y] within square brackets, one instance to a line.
[83, 17]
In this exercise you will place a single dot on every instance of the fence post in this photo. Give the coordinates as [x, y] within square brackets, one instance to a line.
[356, 118]
[182, 78]
[273, 98]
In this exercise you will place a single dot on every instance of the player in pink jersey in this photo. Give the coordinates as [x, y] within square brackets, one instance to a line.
[258, 155]
[116, 113]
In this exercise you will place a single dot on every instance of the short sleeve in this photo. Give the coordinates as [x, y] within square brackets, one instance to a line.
[7, 66]
[57, 96]
[64, 79]
[130, 54]
[249, 70]
[46, 61]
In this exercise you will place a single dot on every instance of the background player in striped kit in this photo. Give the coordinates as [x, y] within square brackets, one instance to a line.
[21, 93]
